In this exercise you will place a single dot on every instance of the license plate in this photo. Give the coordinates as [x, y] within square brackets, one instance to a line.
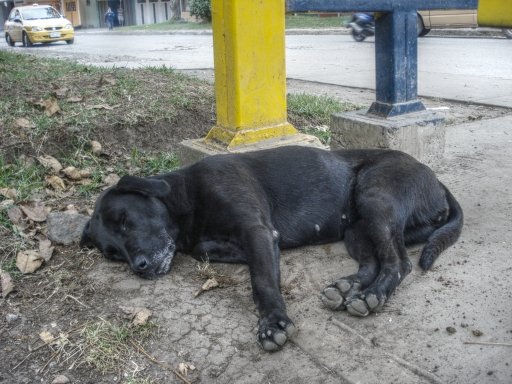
[54, 34]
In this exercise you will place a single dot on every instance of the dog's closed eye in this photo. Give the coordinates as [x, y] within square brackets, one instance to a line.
[112, 254]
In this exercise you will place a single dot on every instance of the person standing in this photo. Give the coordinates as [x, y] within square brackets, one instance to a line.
[109, 18]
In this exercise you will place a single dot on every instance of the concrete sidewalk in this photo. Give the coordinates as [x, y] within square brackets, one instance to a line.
[450, 325]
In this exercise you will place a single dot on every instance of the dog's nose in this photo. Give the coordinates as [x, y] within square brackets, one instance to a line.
[140, 264]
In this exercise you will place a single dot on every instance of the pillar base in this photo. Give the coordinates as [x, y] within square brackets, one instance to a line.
[232, 138]
[191, 151]
[420, 134]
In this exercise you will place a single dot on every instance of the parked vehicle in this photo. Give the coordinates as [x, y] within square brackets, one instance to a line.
[362, 25]
[450, 18]
[37, 24]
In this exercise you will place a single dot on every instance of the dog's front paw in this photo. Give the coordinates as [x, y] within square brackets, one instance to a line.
[274, 331]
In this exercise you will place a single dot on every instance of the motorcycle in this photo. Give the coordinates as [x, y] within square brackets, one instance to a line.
[362, 25]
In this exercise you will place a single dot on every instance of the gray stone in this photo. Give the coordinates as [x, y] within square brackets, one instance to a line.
[420, 134]
[65, 228]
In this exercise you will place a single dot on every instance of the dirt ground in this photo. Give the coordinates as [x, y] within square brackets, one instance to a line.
[450, 325]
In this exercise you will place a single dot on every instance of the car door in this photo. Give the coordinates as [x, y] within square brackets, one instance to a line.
[453, 18]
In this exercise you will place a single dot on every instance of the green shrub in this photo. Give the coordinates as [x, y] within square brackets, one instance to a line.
[201, 9]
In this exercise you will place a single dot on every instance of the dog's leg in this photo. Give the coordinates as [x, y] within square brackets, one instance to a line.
[218, 251]
[383, 225]
[274, 327]
[361, 249]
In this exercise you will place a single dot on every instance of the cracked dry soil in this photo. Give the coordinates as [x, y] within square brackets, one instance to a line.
[427, 332]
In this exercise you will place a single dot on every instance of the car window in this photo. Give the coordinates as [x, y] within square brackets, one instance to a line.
[40, 13]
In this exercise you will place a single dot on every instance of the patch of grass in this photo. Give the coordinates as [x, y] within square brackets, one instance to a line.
[319, 107]
[25, 177]
[107, 346]
[311, 114]
[147, 165]
[206, 271]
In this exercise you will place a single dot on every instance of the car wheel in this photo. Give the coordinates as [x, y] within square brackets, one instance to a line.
[70, 41]
[9, 41]
[507, 32]
[26, 40]
[420, 26]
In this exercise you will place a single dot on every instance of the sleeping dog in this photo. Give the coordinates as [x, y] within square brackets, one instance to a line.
[244, 208]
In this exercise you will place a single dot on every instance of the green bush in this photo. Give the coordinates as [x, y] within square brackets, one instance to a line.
[201, 9]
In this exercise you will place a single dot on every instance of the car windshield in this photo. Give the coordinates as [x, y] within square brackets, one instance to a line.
[40, 13]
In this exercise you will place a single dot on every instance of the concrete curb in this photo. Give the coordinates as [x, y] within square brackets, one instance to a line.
[460, 32]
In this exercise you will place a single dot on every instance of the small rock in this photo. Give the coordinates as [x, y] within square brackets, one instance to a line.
[477, 332]
[6, 284]
[65, 228]
[60, 379]
[451, 330]
[11, 317]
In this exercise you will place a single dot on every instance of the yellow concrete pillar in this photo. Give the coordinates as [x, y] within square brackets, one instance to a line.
[495, 13]
[250, 76]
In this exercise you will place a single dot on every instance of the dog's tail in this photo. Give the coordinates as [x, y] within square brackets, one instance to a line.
[444, 236]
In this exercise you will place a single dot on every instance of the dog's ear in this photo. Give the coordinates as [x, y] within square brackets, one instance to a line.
[144, 185]
[86, 241]
[178, 200]
[172, 190]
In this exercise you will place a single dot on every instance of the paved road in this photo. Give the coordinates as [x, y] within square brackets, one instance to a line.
[478, 70]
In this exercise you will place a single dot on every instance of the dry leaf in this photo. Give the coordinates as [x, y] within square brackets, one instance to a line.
[6, 203]
[56, 183]
[74, 99]
[23, 123]
[46, 337]
[71, 209]
[85, 173]
[208, 284]
[139, 315]
[28, 261]
[111, 179]
[61, 92]
[107, 80]
[96, 147]
[35, 211]
[10, 193]
[16, 216]
[6, 284]
[185, 367]
[46, 249]
[50, 162]
[60, 379]
[72, 173]
[101, 106]
[50, 106]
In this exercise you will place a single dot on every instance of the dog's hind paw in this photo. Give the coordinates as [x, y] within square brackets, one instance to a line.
[274, 331]
[362, 305]
[336, 295]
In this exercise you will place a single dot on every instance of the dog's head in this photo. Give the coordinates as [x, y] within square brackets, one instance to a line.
[137, 221]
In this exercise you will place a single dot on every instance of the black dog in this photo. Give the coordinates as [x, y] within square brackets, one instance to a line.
[242, 208]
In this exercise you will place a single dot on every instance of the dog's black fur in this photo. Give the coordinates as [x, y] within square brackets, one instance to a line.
[242, 208]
